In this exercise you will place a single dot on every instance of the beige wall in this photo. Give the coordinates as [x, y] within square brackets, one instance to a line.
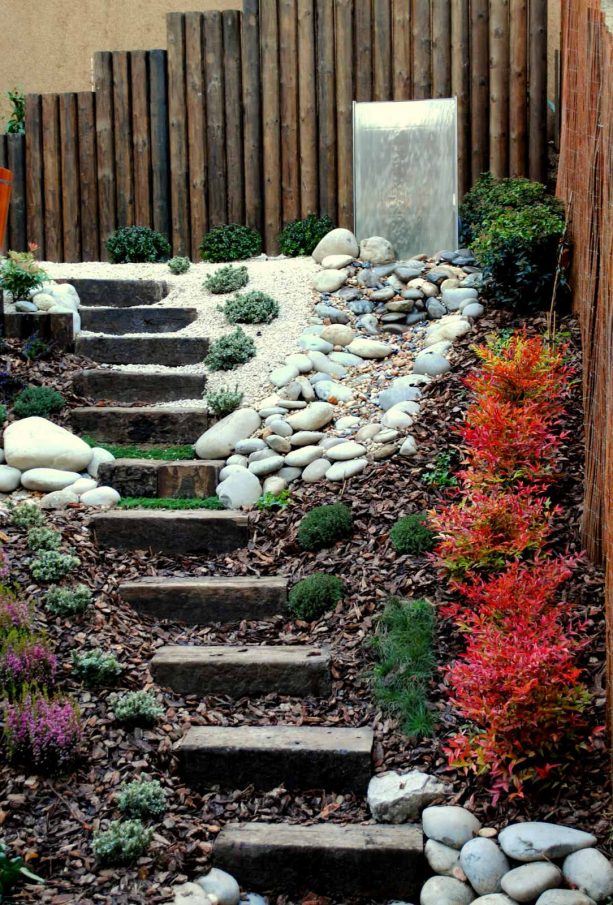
[49, 44]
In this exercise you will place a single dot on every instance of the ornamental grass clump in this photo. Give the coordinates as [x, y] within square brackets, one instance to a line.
[250, 308]
[122, 843]
[68, 601]
[226, 279]
[230, 351]
[25, 662]
[44, 539]
[412, 534]
[42, 733]
[51, 565]
[95, 667]
[324, 526]
[39, 401]
[142, 798]
[137, 708]
[315, 595]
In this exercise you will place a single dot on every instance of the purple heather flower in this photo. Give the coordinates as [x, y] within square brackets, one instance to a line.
[44, 733]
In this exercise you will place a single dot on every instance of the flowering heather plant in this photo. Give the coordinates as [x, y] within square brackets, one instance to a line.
[25, 662]
[5, 566]
[42, 733]
[15, 616]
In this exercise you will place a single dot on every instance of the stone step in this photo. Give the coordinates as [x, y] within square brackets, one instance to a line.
[199, 601]
[192, 478]
[107, 384]
[171, 531]
[140, 425]
[169, 351]
[118, 293]
[246, 671]
[371, 862]
[136, 320]
[305, 757]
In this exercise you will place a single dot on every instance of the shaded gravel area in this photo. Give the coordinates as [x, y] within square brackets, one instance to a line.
[50, 821]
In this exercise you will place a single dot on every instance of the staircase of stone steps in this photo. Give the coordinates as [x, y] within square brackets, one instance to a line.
[141, 425]
[108, 385]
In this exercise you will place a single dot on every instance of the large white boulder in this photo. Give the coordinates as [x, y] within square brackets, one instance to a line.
[37, 443]
[241, 488]
[336, 242]
[329, 280]
[542, 841]
[219, 440]
[377, 250]
[46, 480]
[398, 797]
[101, 497]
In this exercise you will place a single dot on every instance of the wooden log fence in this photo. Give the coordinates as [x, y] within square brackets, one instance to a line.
[247, 117]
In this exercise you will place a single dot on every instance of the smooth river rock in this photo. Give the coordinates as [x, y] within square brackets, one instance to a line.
[219, 440]
[99, 457]
[591, 872]
[46, 480]
[312, 418]
[222, 885]
[242, 488]
[484, 864]
[369, 348]
[338, 334]
[343, 452]
[10, 478]
[336, 242]
[398, 797]
[37, 443]
[101, 497]
[442, 859]
[340, 471]
[329, 280]
[540, 841]
[526, 883]
[445, 891]
[316, 471]
[450, 824]
[377, 250]
[431, 363]
[564, 897]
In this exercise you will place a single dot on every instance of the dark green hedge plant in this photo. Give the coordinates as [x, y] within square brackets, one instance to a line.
[313, 596]
[137, 245]
[489, 197]
[324, 525]
[230, 243]
[300, 237]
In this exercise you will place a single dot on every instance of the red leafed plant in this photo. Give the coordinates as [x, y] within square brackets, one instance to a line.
[521, 688]
[483, 532]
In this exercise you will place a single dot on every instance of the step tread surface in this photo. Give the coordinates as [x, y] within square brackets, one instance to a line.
[172, 531]
[163, 349]
[280, 738]
[117, 385]
[141, 424]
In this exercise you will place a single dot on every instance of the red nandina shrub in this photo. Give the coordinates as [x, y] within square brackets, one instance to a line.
[521, 688]
[525, 369]
[484, 532]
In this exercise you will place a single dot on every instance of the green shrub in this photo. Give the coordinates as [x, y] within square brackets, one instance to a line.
[179, 265]
[51, 565]
[411, 534]
[20, 274]
[123, 842]
[44, 539]
[230, 243]
[300, 237]
[137, 708]
[270, 500]
[3, 414]
[223, 401]
[490, 197]
[324, 525]
[518, 250]
[68, 601]
[226, 279]
[136, 502]
[41, 401]
[35, 348]
[27, 515]
[313, 596]
[13, 871]
[95, 667]
[137, 245]
[230, 351]
[142, 798]
[250, 308]
[16, 123]
[403, 644]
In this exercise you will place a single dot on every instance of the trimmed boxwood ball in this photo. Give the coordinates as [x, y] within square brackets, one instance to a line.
[324, 525]
[313, 596]
[41, 401]
[411, 534]
[137, 245]
[230, 243]
[300, 237]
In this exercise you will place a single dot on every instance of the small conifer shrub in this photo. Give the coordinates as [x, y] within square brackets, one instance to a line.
[324, 525]
[230, 351]
[412, 535]
[314, 595]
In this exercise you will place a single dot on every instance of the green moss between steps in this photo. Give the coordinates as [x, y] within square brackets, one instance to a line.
[168, 453]
[137, 502]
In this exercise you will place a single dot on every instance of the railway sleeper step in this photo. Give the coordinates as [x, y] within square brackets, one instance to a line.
[140, 424]
[112, 385]
[169, 351]
[192, 478]
[171, 531]
[114, 293]
[144, 319]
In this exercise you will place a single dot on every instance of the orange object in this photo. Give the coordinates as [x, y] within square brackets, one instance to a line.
[6, 182]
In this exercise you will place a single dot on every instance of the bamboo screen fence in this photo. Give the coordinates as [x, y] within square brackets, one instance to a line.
[585, 182]
[247, 117]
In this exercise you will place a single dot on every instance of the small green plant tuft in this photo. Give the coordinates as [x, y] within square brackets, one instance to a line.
[51, 565]
[137, 245]
[40, 401]
[223, 401]
[174, 453]
[16, 124]
[123, 842]
[313, 596]
[135, 502]
[26, 515]
[300, 237]
[12, 871]
[44, 539]
[270, 500]
[3, 414]
[440, 475]
[230, 243]
[68, 601]
[324, 525]
[21, 274]
[142, 798]
[250, 308]
[178, 265]
[137, 708]
[412, 535]
[95, 667]
[230, 351]
[403, 644]
[226, 279]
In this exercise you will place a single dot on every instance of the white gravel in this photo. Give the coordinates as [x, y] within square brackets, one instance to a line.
[288, 280]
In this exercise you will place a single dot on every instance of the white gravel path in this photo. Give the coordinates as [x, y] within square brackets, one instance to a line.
[288, 280]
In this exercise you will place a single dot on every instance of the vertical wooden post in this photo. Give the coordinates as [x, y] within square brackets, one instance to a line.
[141, 141]
[179, 190]
[196, 129]
[16, 147]
[460, 86]
[34, 174]
[363, 50]
[160, 143]
[52, 178]
[124, 179]
[441, 48]
[326, 102]
[71, 199]
[307, 105]
[537, 129]
[234, 131]
[401, 50]
[518, 88]
[382, 51]
[215, 119]
[344, 109]
[252, 113]
[288, 76]
[5, 240]
[269, 34]
[87, 175]
[479, 87]
[103, 81]
[422, 49]
[499, 87]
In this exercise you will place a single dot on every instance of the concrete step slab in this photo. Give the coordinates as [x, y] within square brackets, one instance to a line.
[299, 757]
[247, 671]
[207, 600]
[136, 320]
[169, 351]
[172, 531]
[140, 424]
[371, 862]
[109, 384]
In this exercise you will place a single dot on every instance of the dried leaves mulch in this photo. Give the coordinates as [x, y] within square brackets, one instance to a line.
[50, 821]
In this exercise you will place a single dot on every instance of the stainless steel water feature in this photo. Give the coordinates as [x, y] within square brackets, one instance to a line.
[405, 182]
